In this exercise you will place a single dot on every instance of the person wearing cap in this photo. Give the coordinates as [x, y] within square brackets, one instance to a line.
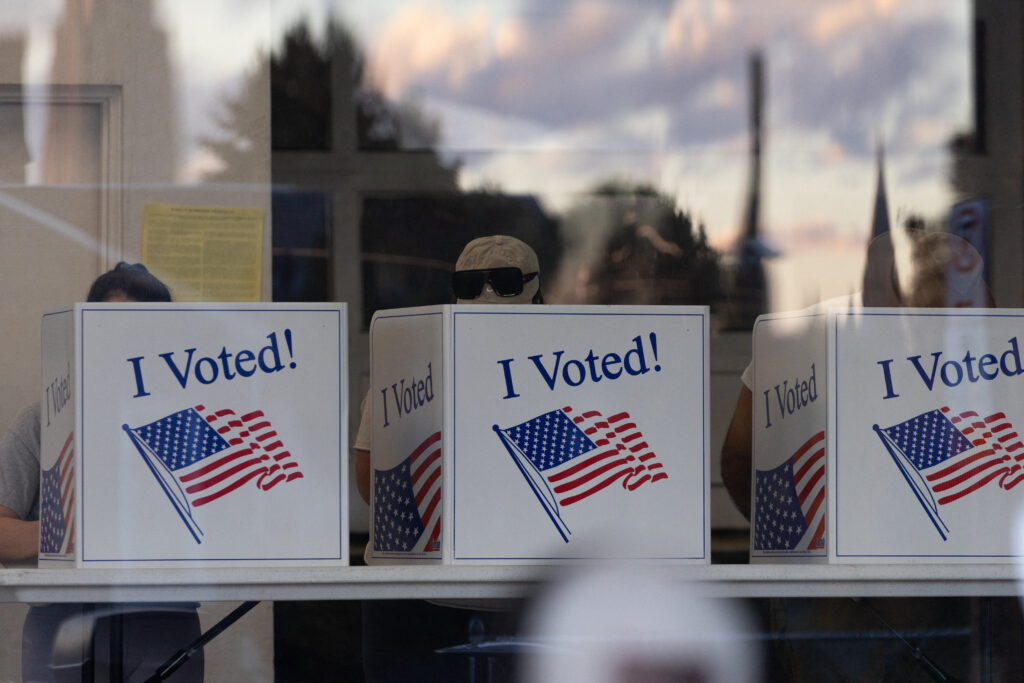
[401, 637]
[496, 269]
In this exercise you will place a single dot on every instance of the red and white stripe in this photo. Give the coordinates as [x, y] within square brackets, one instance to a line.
[66, 467]
[997, 455]
[809, 482]
[256, 453]
[425, 476]
[620, 453]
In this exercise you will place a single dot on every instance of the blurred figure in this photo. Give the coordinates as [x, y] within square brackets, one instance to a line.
[914, 269]
[635, 624]
[654, 255]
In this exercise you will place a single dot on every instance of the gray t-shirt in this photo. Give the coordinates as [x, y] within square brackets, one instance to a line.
[363, 439]
[19, 465]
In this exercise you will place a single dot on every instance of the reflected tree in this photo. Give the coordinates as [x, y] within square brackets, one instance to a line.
[647, 250]
[302, 76]
[240, 117]
[300, 93]
[390, 126]
[317, 87]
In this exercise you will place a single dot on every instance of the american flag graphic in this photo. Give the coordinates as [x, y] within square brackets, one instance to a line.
[945, 456]
[407, 501]
[200, 455]
[57, 491]
[790, 511]
[567, 457]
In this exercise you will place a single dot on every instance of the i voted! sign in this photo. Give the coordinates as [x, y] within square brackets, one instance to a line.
[196, 434]
[926, 454]
[539, 433]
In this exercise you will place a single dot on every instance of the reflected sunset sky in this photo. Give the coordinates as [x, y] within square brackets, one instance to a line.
[550, 99]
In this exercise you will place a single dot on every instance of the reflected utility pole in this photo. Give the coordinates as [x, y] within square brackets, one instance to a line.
[748, 296]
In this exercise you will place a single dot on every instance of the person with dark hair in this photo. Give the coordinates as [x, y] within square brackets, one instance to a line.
[128, 282]
[19, 449]
[152, 633]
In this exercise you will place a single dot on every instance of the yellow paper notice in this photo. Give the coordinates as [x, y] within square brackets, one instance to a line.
[204, 253]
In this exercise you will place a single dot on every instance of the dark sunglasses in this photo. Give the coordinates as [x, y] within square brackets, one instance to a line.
[467, 284]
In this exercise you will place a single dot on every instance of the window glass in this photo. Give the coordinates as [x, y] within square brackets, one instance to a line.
[732, 154]
[770, 130]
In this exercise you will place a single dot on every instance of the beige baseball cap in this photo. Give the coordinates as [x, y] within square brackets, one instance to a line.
[500, 251]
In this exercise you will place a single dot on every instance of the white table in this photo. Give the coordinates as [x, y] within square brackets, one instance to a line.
[358, 583]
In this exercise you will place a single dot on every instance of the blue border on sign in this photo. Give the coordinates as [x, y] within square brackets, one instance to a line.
[704, 475]
[833, 410]
[341, 446]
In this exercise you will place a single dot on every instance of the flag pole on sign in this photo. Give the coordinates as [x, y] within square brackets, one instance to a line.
[917, 484]
[540, 489]
[171, 488]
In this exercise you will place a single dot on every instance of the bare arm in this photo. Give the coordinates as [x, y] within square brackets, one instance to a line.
[363, 474]
[736, 453]
[19, 540]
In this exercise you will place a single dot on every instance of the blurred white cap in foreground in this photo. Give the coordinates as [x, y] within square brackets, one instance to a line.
[636, 624]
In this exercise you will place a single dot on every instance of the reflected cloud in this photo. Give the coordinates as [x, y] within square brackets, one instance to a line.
[722, 93]
[423, 40]
[836, 18]
[549, 99]
[693, 24]
[597, 61]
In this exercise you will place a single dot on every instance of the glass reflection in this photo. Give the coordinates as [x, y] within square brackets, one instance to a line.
[557, 101]
[623, 139]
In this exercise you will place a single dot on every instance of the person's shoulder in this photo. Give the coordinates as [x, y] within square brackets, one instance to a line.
[26, 424]
[31, 415]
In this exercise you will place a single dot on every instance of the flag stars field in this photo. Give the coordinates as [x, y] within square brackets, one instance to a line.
[202, 452]
[557, 446]
[951, 463]
[413, 491]
[789, 511]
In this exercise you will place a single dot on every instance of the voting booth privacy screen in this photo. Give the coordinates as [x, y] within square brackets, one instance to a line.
[788, 508]
[194, 434]
[527, 433]
[926, 459]
[886, 435]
